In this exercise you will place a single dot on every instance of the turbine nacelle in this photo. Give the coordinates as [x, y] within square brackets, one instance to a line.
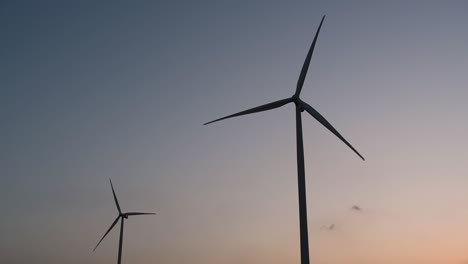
[124, 216]
[298, 102]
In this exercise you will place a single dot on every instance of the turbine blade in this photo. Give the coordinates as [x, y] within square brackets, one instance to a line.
[115, 197]
[137, 213]
[326, 124]
[261, 108]
[108, 230]
[305, 67]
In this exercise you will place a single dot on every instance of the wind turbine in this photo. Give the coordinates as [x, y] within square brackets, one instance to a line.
[121, 216]
[300, 107]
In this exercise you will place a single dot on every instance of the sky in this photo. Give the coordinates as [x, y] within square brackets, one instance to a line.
[92, 90]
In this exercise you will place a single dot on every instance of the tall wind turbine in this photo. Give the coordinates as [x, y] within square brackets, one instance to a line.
[121, 216]
[300, 107]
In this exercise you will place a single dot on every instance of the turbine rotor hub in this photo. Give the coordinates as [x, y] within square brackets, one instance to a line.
[296, 100]
[124, 216]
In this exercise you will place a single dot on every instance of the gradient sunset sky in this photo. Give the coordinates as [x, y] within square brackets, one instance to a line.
[92, 90]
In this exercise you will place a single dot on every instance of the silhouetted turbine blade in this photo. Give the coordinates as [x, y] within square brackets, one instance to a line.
[137, 213]
[115, 197]
[324, 122]
[108, 230]
[261, 108]
[305, 67]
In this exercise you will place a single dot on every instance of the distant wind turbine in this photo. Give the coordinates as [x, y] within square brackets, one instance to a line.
[300, 107]
[121, 216]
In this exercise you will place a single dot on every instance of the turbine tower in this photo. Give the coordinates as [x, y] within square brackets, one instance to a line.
[300, 107]
[121, 216]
